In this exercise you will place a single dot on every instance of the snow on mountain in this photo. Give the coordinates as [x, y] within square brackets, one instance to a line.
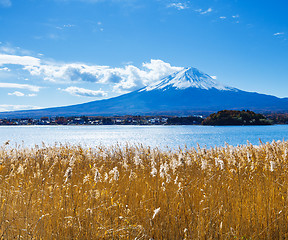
[186, 92]
[187, 78]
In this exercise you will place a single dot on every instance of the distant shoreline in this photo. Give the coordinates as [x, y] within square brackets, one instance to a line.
[221, 118]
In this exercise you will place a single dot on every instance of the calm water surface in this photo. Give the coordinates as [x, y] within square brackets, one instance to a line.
[154, 136]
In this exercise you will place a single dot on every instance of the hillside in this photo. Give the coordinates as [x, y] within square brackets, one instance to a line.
[228, 117]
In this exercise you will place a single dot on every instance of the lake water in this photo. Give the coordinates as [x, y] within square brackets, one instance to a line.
[154, 136]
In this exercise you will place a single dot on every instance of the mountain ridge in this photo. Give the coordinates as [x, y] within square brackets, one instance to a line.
[188, 77]
[184, 92]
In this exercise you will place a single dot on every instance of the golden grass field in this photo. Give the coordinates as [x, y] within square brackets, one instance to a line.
[136, 192]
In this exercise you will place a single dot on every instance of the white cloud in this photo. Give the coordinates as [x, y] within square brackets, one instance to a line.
[7, 49]
[236, 16]
[53, 36]
[19, 60]
[31, 88]
[5, 69]
[8, 108]
[20, 94]
[178, 6]
[71, 72]
[69, 25]
[222, 17]
[16, 93]
[201, 11]
[65, 26]
[278, 33]
[207, 11]
[123, 79]
[5, 3]
[82, 92]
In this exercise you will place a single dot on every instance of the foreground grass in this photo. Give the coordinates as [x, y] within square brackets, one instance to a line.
[69, 192]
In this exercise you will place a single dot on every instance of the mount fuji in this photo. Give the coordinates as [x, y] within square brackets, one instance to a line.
[188, 91]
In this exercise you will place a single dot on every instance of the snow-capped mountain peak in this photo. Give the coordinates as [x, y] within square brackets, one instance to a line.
[187, 78]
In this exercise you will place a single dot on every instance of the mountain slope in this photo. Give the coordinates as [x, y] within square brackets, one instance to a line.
[186, 92]
[187, 78]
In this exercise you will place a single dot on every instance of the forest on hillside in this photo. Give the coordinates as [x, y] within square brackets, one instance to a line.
[231, 117]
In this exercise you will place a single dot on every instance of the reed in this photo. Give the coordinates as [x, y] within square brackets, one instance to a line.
[136, 192]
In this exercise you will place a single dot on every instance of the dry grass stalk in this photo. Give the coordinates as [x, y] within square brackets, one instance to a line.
[135, 192]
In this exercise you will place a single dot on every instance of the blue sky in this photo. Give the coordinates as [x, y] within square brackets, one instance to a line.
[62, 52]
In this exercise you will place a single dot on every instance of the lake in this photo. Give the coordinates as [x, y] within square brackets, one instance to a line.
[154, 136]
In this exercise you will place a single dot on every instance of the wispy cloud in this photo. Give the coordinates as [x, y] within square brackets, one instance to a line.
[82, 92]
[16, 93]
[8, 108]
[7, 48]
[278, 33]
[29, 87]
[178, 6]
[19, 60]
[236, 16]
[65, 26]
[53, 36]
[203, 12]
[20, 94]
[222, 17]
[5, 3]
[5, 69]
